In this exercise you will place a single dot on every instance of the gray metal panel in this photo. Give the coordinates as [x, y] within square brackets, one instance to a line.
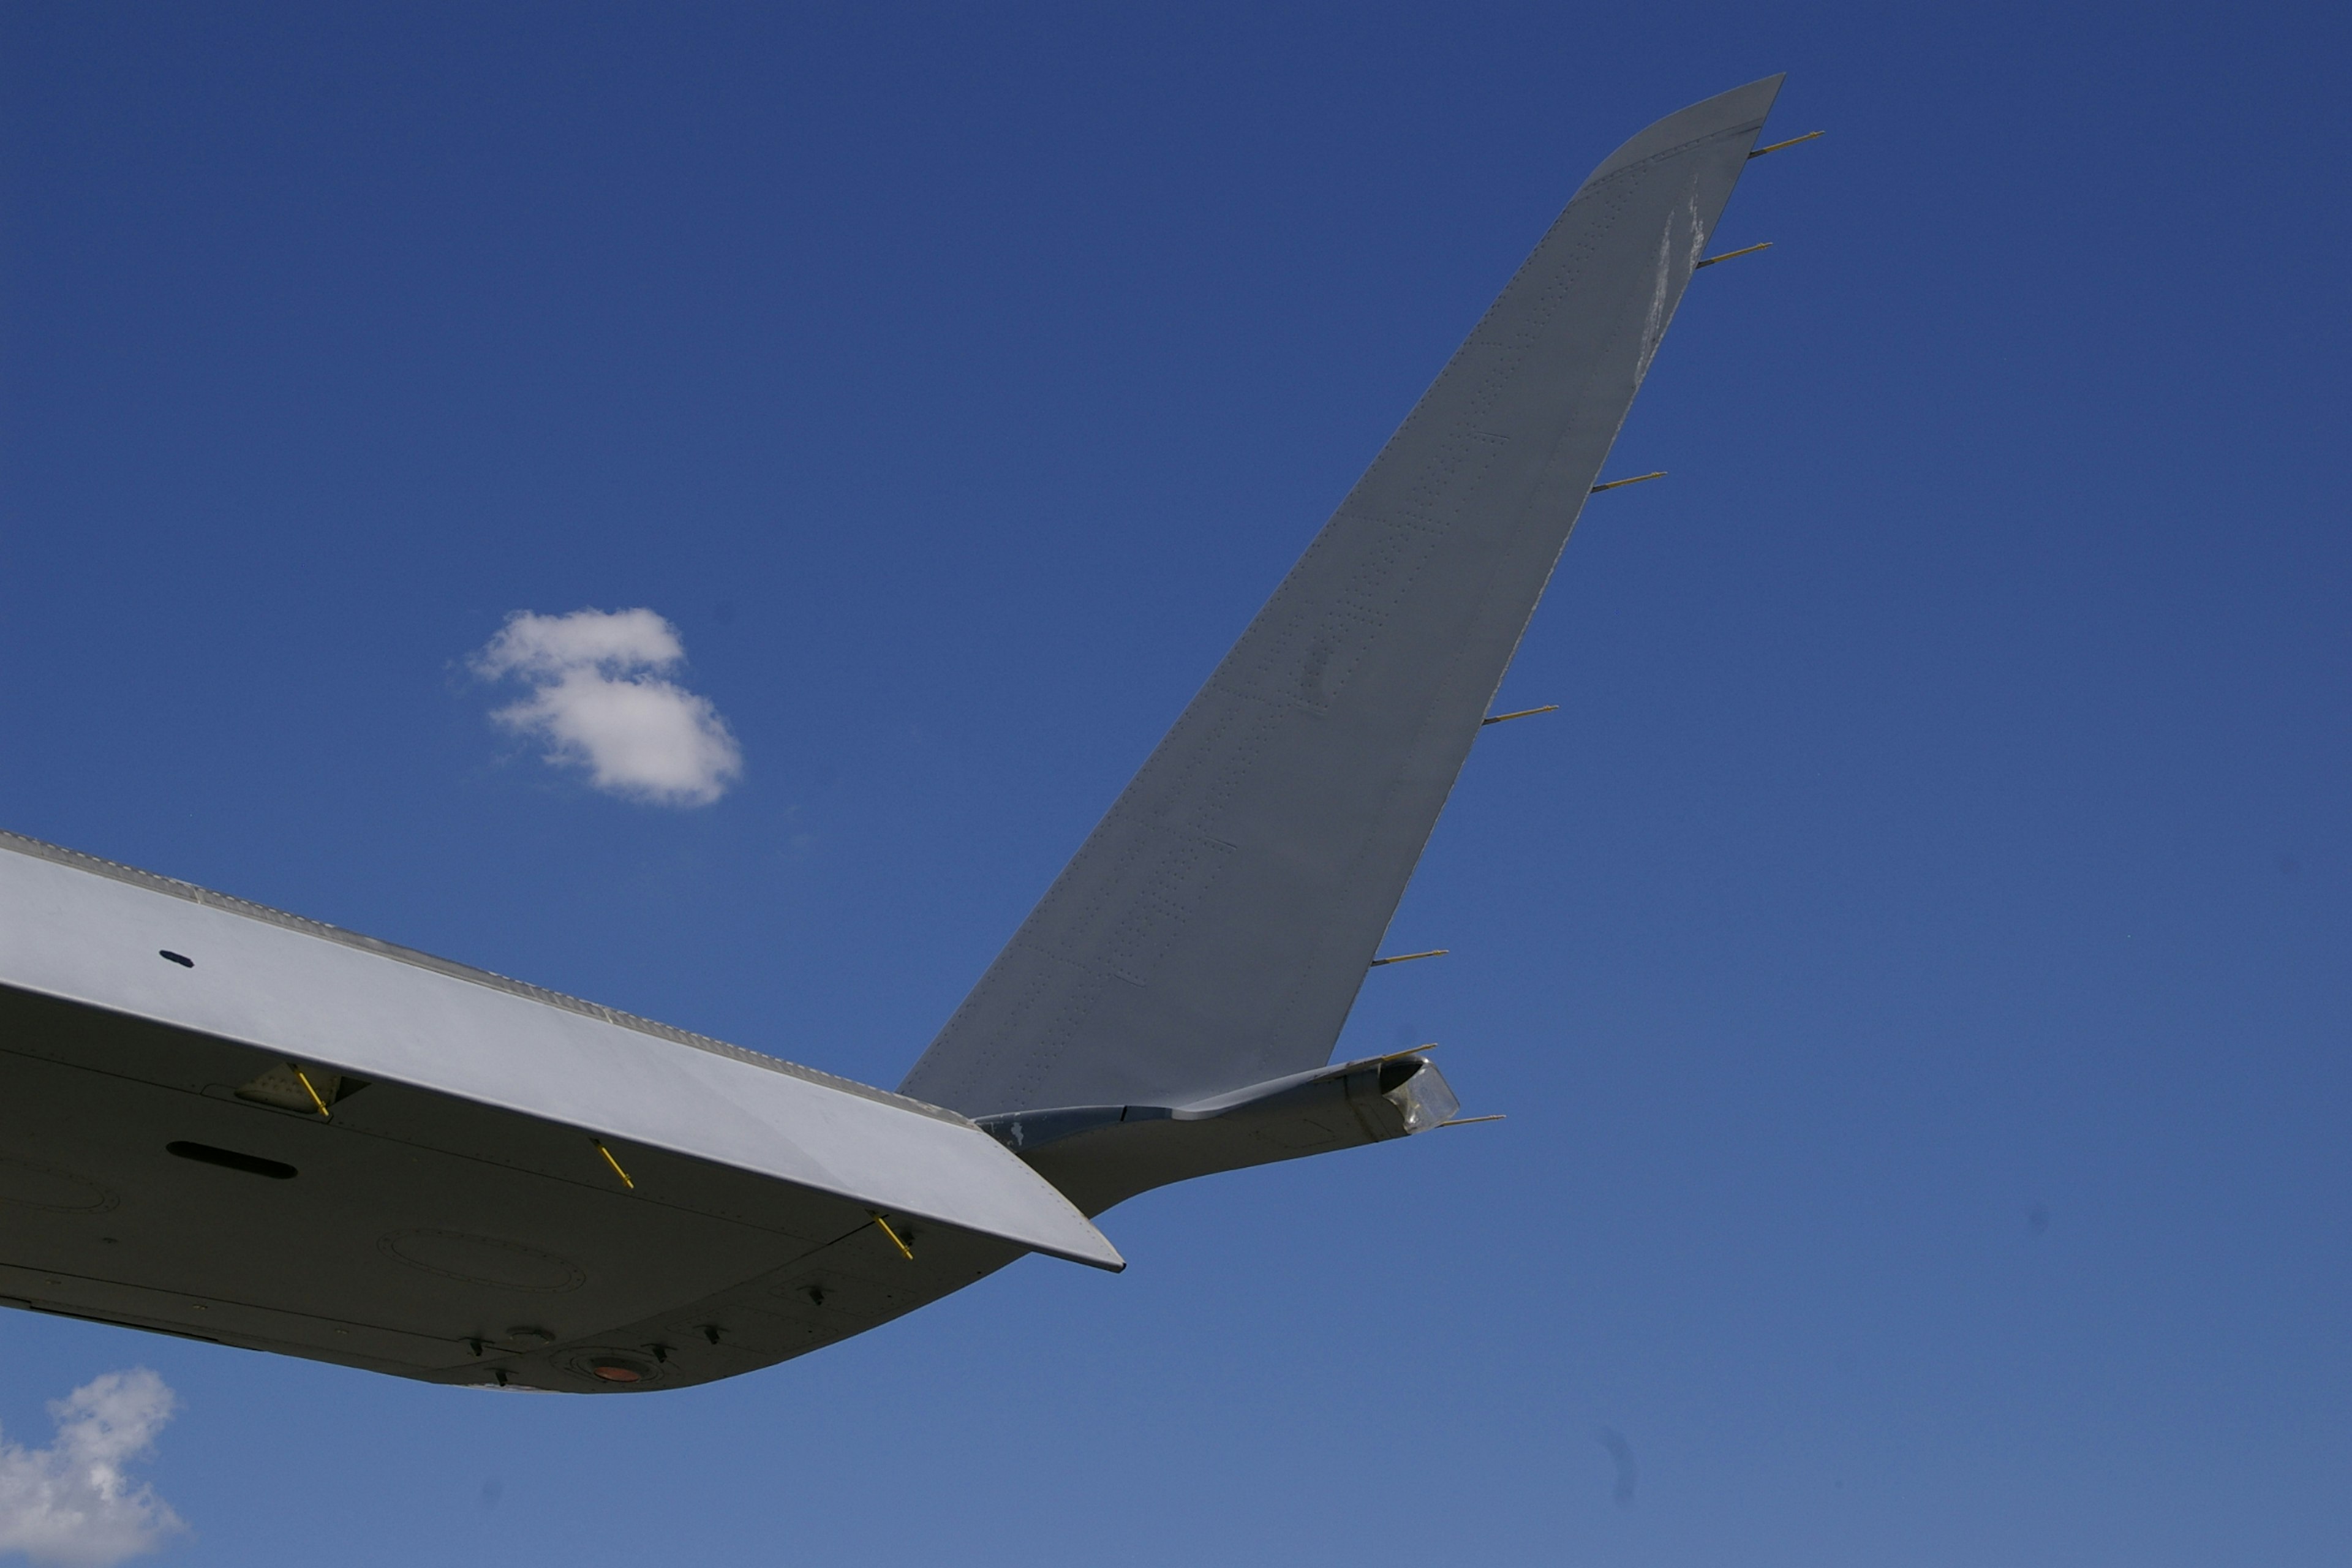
[1214, 928]
[93, 939]
[1105, 1155]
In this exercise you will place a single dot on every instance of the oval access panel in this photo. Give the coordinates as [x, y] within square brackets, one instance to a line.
[484, 1260]
[46, 1187]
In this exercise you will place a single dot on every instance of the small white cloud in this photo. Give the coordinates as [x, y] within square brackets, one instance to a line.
[71, 1502]
[598, 701]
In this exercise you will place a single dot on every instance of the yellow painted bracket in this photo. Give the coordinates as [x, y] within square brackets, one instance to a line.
[312, 1090]
[907, 1252]
[614, 1164]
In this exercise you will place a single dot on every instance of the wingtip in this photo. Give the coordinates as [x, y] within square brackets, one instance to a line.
[1105, 1257]
[1092, 1248]
[1743, 108]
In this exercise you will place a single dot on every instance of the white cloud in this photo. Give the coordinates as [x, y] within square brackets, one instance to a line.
[598, 701]
[70, 1502]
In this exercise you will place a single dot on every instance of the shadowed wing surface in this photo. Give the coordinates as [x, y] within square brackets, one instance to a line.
[492, 1183]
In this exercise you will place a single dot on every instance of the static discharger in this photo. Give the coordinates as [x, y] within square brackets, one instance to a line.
[906, 1251]
[312, 1090]
[1637, 478]
[614, 1164]
[1728, 255]
[1791, 141]
[1409, 957]
[1522, 714]
[1470, 1120]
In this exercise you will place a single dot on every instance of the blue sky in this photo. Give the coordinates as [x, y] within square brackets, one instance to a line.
[1914, 960]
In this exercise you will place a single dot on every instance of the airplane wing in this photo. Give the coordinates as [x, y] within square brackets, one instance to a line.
[220, 1120]
[227, 1123]
[1213, 929]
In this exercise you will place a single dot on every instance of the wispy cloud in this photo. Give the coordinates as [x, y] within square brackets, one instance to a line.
[601, 699]
[71, 1502]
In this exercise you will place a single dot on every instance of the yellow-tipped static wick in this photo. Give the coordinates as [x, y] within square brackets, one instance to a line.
[1791, 141]
[1744, 250]
[1637, 478]
[1522, 714]
[1409, 957]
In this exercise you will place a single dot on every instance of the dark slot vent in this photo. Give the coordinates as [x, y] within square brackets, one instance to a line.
[184, 962]
[251, 1164]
